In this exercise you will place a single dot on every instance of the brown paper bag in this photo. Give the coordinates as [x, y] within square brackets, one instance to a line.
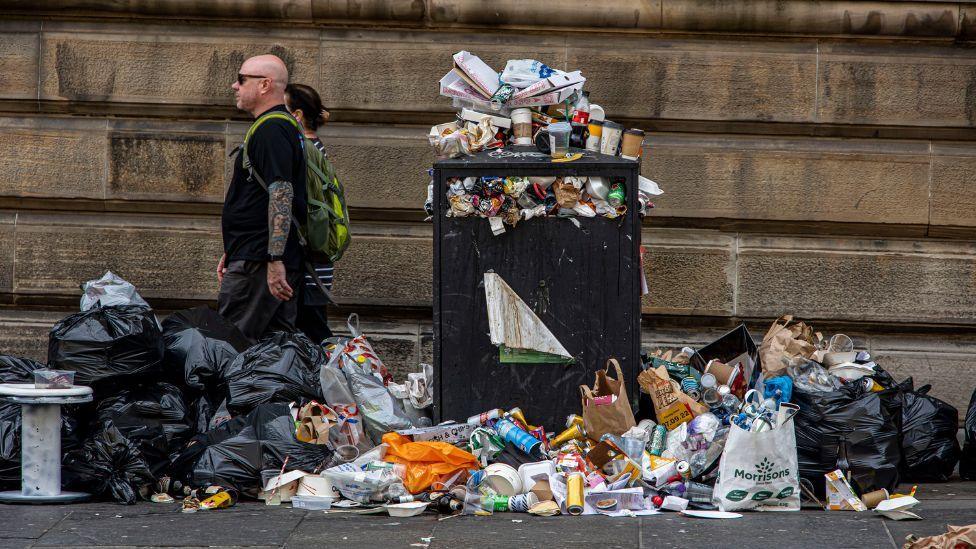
[315, 420]
[615, 417]
[567, 195]
[784, 341]
[666, 394]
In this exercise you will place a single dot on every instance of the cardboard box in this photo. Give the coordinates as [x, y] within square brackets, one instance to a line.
[476, 73]
[840, 495]
[572, 81]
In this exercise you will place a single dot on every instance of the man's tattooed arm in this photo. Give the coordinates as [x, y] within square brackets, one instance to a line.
[279, 216]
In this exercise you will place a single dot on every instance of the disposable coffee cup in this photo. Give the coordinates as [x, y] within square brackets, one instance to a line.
[522, 126]
[596, 130]
[610, 139]
[631, 146]
[872, 499]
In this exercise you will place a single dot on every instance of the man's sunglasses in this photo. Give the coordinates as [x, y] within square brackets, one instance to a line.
[241, 78]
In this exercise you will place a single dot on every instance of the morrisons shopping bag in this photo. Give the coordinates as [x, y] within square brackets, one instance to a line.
[759, 470]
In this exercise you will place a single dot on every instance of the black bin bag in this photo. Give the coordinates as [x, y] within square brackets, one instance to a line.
[200, 345]
[852, 430]
[107, 344]
[235, 452]
[967, 463]
[281, 368]
[21, 370]
[929, 441]
[154, 417]
[107, 466]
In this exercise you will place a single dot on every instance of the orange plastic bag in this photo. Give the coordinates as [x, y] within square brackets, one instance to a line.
[427, 462]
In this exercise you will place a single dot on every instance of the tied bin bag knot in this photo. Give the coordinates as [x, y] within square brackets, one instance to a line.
[606, 408]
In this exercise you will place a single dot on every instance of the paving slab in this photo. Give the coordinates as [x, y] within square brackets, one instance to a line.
[155, 525]
[252, 524]
[29, 521]
[361, 531]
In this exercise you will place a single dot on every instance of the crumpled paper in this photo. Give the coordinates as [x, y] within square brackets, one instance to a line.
[957, 536]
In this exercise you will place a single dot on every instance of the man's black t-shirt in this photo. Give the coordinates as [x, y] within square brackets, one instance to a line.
[276, 153]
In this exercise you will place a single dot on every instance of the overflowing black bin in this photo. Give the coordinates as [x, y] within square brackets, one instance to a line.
[580, 275]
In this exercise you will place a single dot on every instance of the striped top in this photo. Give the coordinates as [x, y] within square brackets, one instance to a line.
[324, 272]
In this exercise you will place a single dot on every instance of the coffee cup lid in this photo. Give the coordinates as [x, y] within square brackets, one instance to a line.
[611, 124]
[635, 131]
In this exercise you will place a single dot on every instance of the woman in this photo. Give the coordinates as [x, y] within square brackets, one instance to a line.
[304, 103]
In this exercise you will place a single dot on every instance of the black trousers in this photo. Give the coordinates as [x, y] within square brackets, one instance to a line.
[245, 300]
[313, 317]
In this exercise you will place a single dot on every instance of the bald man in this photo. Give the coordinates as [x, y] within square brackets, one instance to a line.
[261, 266]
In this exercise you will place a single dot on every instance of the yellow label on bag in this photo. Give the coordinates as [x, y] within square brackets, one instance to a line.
[674, 415]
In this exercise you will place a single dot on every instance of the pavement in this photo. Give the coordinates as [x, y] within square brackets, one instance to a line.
[251, 524]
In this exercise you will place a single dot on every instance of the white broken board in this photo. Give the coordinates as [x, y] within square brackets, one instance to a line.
[515, 328]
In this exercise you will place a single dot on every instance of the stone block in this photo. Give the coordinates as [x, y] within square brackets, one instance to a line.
[18, 65]
[389, 268]
[171, 166]
[52, 157]
[897, 85]
[412, 65]
[370, 10]
[716, 80]
[26, 335]
[745, 178]
[380, 167]
[169, 258]
[181, 66]
[953, 202]
[939, 360]
[609, 14]
[688, 272]
[803, 17]
[7, 239]
[896, 281]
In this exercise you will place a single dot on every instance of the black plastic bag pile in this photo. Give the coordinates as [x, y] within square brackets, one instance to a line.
[107, 346]
[200, 347]
[234, 453]
[967, 463]
[108, 465]
[897, 434]
[153, 417]
[929, 441]
[282, 368]
[851, 429]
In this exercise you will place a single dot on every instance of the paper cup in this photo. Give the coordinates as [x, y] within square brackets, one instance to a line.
[872, 499]
[503, 479]
[610, 138]
[631, 146]
[522, 126]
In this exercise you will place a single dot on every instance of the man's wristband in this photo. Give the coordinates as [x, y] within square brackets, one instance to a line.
[275, 258]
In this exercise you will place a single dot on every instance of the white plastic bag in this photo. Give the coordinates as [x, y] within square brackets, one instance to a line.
[522, 73]
[354, 384]
[759, 470]
[108, 291]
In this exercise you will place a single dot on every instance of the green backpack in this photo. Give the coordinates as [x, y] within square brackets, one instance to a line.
[325, 232]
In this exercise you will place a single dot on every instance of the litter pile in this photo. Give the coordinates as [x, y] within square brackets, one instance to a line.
[189, 413]
[531, 110]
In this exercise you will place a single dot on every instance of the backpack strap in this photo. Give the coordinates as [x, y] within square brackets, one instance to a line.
[246, 164]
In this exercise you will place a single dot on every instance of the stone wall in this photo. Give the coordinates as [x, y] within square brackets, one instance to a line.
[818, 158]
